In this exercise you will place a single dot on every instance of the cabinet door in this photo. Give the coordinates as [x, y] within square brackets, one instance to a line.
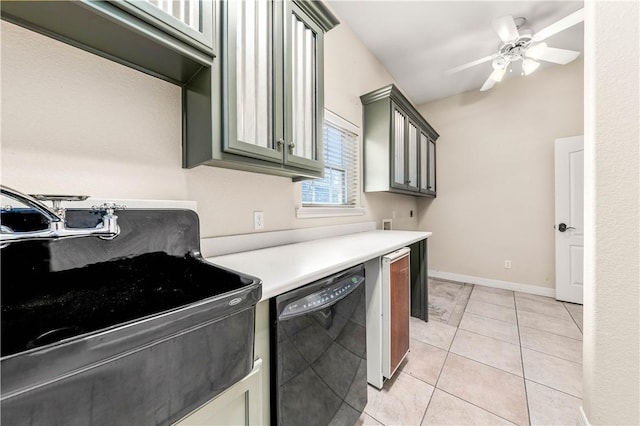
[239, 405]
[398, 152]
[419, 281]
[250, 108]
[431, 184]
[303, 92]
[412, 157]
[191, 21]
[400, 306]
[424, 162]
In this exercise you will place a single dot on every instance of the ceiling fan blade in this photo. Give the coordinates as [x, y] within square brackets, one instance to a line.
[506, 28]
[561, 25]
[498, 73]
[495, 77]
[488, 84]
[551, 54]
[471, 64]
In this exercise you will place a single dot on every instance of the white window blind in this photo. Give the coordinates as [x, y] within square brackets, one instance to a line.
[339, 186]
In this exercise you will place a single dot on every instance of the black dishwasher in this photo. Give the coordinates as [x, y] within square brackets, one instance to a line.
[318, 344]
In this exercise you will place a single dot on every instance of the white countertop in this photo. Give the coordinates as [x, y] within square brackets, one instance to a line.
[286, 267]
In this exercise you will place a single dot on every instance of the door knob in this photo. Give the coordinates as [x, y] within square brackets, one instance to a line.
[563, 227]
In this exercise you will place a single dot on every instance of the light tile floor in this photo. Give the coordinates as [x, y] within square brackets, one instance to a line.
[487, 356]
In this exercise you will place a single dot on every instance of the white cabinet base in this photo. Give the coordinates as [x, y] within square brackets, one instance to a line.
[377, 354]
[373, 269]
[241, 404]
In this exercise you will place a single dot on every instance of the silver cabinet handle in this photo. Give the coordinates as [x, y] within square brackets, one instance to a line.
[291, 147]
[279, 144]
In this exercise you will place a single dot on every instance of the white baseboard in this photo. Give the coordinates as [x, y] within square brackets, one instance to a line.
[582, 418]
[488, 282]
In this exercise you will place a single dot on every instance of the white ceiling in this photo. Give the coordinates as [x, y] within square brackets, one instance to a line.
[417, 41]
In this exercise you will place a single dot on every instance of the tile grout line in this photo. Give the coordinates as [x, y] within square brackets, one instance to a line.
[491, 337]
[466, 303]
[382, 424]
[572, 318]
[543, 353]
[551, 332]
[496, 319]
[524, 376]
[495, 304]
[479, 362]
[475, 405]
[551, 355]
[435, 386]
[554, 389]
[488, 365]
[519, 344]
[550, 316]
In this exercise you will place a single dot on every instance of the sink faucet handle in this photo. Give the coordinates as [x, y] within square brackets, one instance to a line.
[52, 197]
[57, 199]
[109, 207]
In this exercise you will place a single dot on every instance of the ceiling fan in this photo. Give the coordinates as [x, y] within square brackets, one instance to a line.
[523, 45]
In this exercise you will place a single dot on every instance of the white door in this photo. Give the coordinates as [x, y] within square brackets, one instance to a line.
[569, 226]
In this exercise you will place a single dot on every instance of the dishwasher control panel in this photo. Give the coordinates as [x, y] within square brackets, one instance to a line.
[321, 298]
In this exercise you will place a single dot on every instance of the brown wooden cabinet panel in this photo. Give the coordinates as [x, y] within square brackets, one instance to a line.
[400, 304]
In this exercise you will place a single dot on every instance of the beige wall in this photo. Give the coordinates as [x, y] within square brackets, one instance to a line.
[612, 215]
[73, 122]
[495, 175]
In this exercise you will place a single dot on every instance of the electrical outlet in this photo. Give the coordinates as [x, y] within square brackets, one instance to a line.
[507, 264]
[393, 214]
[258, 220]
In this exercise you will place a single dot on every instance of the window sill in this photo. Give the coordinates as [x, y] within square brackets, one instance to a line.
[316, 212]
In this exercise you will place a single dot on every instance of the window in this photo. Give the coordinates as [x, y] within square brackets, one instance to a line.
[338, 191]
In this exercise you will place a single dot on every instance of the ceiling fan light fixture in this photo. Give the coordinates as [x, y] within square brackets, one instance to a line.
[520, 44]
[529, 66]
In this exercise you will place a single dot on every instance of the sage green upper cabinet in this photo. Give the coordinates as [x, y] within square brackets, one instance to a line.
[270, 81]
[398, 162]
[251, 72]
[153, 42]
[427, 164]
[431, 182]
[303, 77]
[398, 145]
[405, 148]
[191, 21]
[412, 159]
